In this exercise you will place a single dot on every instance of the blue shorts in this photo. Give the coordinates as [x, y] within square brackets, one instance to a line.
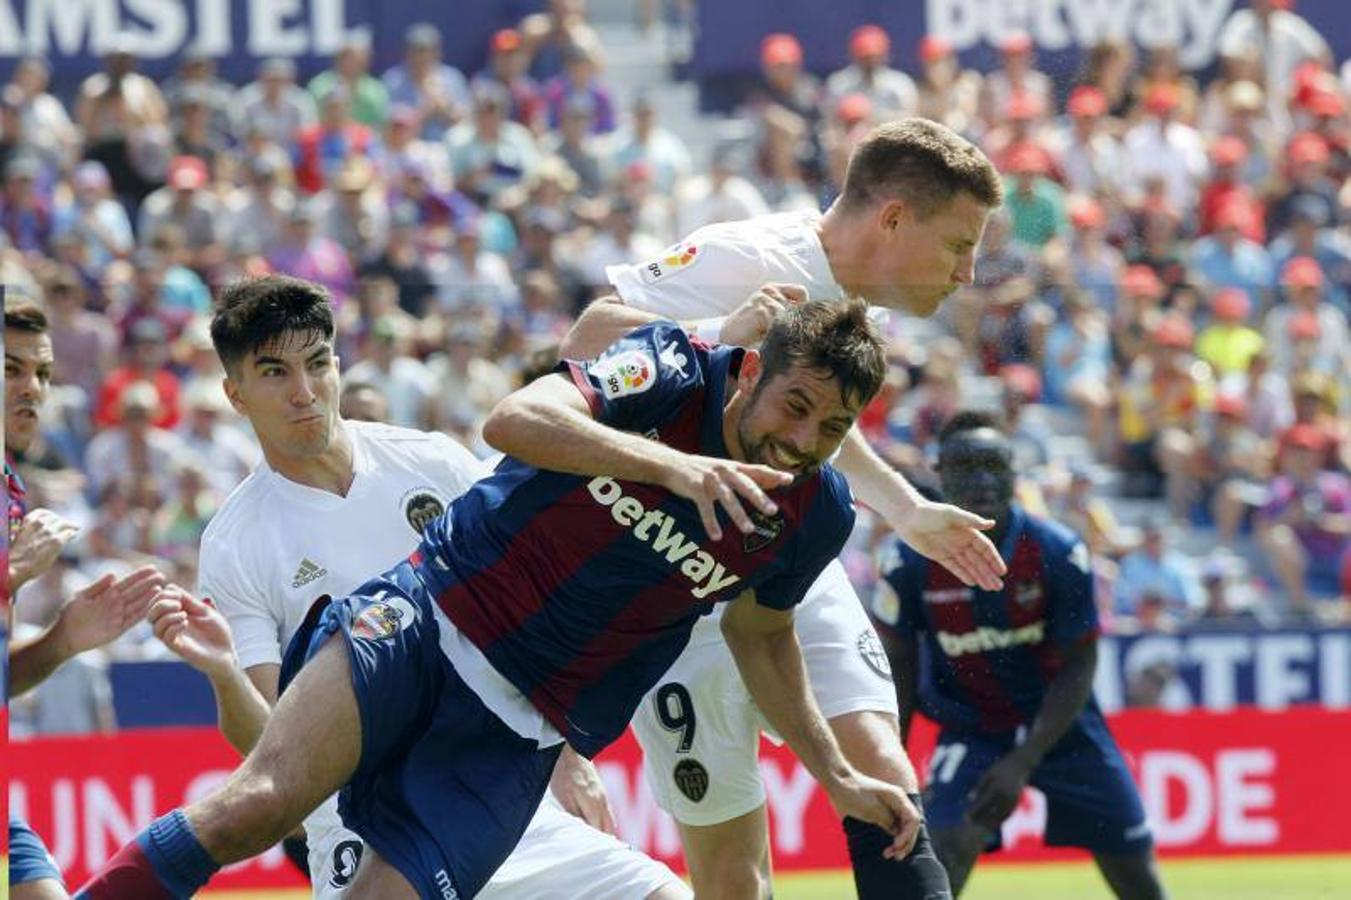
[28, 856]
[444, 789]
[1091, 800]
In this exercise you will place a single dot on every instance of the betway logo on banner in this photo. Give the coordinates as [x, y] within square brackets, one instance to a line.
[1193, 26]
[155, 29]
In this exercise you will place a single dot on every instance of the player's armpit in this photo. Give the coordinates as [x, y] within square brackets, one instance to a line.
[601, 324]
[746, 617]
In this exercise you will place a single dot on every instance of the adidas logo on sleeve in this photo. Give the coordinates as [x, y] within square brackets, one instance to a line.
[309, 571]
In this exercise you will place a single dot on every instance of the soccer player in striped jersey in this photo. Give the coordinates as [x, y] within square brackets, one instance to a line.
[1008, 675]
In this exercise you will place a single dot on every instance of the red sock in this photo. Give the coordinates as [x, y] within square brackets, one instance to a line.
[129, 875]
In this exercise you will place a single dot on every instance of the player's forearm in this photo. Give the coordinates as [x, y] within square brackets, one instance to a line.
[873, 481]
[771, 665]
[1064, 700]
[605, 321]
[562, 439]
[32, 661]
[241, 711]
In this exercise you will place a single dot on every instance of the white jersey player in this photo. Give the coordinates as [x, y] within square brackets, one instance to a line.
[325, 509]
[902, 235]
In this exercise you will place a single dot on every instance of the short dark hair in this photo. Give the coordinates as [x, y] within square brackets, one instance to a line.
[923, 163]
[24, 314]
[831, 336]
[969, 420]
[258, 312]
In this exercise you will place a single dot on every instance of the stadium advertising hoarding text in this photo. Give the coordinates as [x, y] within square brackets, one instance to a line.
[1214, 783]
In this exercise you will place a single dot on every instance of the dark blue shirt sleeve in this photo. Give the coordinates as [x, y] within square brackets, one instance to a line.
[1071, 612]
[819, 540]
[897, 602]
[643, 379]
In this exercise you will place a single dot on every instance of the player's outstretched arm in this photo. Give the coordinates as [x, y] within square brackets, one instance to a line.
[765, 646]
[198, 634]
[602, 323]
[94, 616]
[549, 425]
[997, 792]
[949, 536]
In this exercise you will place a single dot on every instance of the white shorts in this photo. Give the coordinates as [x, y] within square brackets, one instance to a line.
[700, 730]
[558, 856]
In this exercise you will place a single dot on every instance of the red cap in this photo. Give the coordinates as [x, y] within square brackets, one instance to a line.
[1307, 436]
[1234, 214]
[1022, 380]
[506, 40]
[780, 48]
[1026, 159]
[1309, 78]
[187, 173]
[1229, 151]
[934, 48]
[1141, 280]
[1017, 42]
[1231, 405]
[1085, 212]
[1087, 100]
[1304, 326]
[869, 40]
[1162, 98]
[1302, 271]
[1174, 331]
[1023, 105]
[853, 108]
[1307, 147]
[1327, 103]
[1231, 305]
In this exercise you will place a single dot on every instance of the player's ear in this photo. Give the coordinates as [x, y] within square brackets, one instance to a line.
[893, 215]
[232, 394]
[748, 376]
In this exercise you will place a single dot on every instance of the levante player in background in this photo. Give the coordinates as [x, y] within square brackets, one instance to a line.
[1009, 676]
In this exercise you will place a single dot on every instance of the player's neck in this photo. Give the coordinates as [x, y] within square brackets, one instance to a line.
[731, 415]
[836, 233]
[332, 471]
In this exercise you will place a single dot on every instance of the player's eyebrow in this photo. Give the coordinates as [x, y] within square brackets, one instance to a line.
[802, 395]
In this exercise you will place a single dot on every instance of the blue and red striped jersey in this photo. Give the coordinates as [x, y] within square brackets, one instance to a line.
[582, 591]
[986, 658]
[17, 496]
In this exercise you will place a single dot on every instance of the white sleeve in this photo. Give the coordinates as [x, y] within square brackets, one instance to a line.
[255, 628]
[462, 468]
[694, 279]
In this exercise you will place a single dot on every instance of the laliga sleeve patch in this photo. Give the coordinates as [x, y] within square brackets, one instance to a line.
[629, 372]
[692, 779]
[676, 259]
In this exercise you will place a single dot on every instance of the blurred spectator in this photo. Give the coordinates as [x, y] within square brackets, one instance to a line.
[1157, 402]
[1309, 181]
[176, 527]
[646, 142]
[196, 82]
[784, 139]
[1078, 364]
[361, 402]
[1227, 190]
[947, 92]
[1093, 263]
[1278, 37]
[1161, 146]
[403, 263]
[405, 382]
[507, 63]
[1162, 69]
[94, 219]
[1228, 259]
[722, 195]
[76, 699]
[1306, 525]
[439, 92]
[1305, 317]
[402, 150]
[146, 356]
[1222, 608]
[783, 81]
[84, 343]
[1089, 155]
[1108, 68]
[891, 91]
[470, 278]
[323, 148]
[262, 205]
[574, 145]
[1217, 468]
[352, 212]
[490, 153]
[304, 253]
[1229, 344]
[1154, 576]
[617, 241]
[42, 119]
[467, 385]
[1309, 235]
[195, 134]
[186, 203]
[548, 35]
[274, 105]
[365, 97]
[580, 83]
[25, 215]
[225, 453]
[124, 121]
[1036, 204]
[1017, 74]
[135, 447]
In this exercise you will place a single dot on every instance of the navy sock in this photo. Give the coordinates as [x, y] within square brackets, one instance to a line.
[919, 876]
[164, 862]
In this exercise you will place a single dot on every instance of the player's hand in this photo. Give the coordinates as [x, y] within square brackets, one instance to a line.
[37, 545]
[880, 804]
[996, 794]
[712, 482]
[103, 611]
[749, 323]
[578, 787]
[193, 629]
[953, 538]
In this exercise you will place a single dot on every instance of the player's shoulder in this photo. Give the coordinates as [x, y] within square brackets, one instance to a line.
[834, 504]
[242, 510]
[393, 449]
[661, 346]
[1049, 533]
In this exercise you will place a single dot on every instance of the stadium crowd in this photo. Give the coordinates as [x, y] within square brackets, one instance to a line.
[1160, 308]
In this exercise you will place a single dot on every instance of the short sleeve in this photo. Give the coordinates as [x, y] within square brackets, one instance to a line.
[700, 277]
[1072, 614]
[820, 539]
[896, 602]
[643, 379]
[255, 629]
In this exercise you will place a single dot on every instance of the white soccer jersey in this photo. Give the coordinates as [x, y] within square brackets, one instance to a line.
[716, 268]
[276, 546]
